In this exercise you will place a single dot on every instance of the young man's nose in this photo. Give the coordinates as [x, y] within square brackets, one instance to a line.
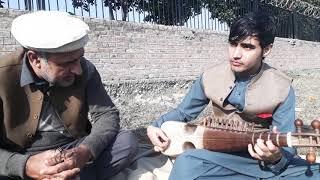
[237, 53]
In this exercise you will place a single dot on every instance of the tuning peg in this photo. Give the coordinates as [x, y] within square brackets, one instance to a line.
[311, 157]
[298, 123]
[316, 125]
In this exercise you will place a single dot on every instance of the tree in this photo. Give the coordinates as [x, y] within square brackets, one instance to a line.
[177, 12]
[113, 5]
[169, 12]
[224, 10]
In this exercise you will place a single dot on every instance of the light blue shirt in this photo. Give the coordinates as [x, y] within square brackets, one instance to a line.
[195, 101]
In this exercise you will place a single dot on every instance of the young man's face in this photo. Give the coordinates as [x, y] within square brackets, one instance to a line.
[61, 69]
[246, 56]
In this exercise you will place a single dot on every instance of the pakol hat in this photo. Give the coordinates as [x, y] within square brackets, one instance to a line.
[50, 31]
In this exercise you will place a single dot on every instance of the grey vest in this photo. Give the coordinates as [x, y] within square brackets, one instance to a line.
[266, 91]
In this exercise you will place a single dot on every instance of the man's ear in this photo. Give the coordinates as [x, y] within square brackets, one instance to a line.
[267, 50]
[34, 59]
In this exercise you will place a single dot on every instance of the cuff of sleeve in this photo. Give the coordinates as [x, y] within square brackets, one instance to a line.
[16, 165]
[156, 124]
[277, 168]
[97, 144]
[94, 146]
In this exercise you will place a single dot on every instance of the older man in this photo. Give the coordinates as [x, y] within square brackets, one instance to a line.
[56, 119]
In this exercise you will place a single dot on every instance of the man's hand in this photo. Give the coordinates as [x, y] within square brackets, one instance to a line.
[65, 175]
[267, 152]
[38, 166]
[158, 138]
[77, 156]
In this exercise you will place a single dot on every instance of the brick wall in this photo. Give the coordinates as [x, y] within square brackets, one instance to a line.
[148, 68]
[131, 52]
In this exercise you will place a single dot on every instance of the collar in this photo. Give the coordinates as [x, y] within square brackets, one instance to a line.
[28, 76]
[249, 77]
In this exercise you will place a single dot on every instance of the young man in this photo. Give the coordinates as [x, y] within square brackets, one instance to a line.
[243, 89]
[56, 119]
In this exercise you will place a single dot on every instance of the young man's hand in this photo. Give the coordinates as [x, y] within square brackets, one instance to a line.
[158, 138]
[265, 151]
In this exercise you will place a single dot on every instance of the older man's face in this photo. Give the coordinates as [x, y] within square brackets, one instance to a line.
[62, 68]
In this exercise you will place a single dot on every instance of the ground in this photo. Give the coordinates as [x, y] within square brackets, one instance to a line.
[141, 103]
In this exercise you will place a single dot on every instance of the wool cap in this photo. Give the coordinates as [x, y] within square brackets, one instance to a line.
[50, 31]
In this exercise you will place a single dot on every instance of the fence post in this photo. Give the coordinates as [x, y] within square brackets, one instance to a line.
[294, 22]
[179, 10]
[27, 5]
[317, 30]
[41, 4]
[255, 5]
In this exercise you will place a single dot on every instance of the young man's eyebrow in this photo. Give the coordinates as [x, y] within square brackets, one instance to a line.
[247, 45]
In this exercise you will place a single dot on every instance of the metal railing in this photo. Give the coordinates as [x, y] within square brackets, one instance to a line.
[201, 14]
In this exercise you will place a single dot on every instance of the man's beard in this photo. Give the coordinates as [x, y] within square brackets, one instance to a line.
[60, 83]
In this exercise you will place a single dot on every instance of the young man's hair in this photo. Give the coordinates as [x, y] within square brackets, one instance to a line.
[257, 24]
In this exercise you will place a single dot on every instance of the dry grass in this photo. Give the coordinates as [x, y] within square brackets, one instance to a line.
[143, 103]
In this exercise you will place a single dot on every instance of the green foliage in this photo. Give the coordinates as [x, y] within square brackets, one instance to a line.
[113, 5]
[85, 4]
[223, 10]
[169, 12]
[177, 12]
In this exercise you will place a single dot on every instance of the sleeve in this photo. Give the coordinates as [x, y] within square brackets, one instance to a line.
[104, 115]
[284, 118]
[12, 164]
[191, 106]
